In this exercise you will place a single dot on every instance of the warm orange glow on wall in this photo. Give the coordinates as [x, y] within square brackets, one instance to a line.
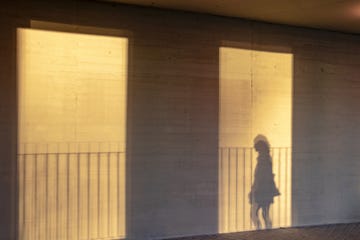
[72, 107]
[354, 10]
[255, 98]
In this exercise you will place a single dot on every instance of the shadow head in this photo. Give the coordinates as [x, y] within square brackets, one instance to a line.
[261, 144]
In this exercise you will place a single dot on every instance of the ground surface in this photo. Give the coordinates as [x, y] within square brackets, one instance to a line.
[327, 232]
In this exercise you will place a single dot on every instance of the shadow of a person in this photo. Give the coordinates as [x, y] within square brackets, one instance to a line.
[263, 189]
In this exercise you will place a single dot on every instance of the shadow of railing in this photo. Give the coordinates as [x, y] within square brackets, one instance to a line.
[71, 194]
[236, 176]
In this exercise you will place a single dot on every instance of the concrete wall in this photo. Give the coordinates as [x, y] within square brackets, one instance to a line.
[173, 114]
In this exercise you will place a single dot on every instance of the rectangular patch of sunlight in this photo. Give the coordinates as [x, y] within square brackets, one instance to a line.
[71, 135]
[255, 103]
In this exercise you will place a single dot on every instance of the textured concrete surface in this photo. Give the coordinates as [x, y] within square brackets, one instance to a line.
[173, 113]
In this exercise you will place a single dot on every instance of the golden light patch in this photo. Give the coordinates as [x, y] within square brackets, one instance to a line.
[255, 100]
[71, 138]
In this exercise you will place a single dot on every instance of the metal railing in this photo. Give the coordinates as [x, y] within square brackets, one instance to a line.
[71, 194]
[236, 176]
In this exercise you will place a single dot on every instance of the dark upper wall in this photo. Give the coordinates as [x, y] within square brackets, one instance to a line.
[173, 108]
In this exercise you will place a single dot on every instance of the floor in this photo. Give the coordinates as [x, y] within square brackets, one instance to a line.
[326, 232]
